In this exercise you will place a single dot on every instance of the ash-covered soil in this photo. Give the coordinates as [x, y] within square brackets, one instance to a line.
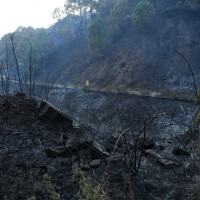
[24, 141]
[30, 148]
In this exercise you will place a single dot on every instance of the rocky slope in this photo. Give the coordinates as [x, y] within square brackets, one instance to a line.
[34, 151]
[143, 57]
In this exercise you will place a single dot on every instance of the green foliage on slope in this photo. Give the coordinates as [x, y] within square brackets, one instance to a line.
[97, 35]
[117, 17]
[26, 39]
[88, 189]
[143, 11]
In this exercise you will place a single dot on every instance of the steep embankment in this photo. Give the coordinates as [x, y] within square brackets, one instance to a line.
[143, 57]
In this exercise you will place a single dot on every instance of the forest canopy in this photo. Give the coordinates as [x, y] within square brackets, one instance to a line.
[101, 21]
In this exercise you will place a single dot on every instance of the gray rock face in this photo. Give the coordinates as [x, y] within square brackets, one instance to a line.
[160, 159]
[95, 163]
[51, 152]
[70, 145]
[167, 163]
[153, 154]
[52, 115]
[98, 151]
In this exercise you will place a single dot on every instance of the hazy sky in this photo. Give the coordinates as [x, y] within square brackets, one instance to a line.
[35, 13]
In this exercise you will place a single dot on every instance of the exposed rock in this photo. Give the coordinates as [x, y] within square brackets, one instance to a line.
[159, 146]
[116, 159]
[98, 151]
[16, 133]
[70, 145]
[86, 167]
[187, 164]
[51, 152]
[153, 154]
[84, 142]
[52, 115]
[95, 163]
[167, 163]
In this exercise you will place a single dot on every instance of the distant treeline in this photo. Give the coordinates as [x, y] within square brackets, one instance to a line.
[102, 21]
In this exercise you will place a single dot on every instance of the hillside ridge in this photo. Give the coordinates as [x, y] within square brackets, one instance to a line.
[142, 57]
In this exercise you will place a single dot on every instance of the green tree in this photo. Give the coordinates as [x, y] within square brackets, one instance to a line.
[38, 38]
[26, 39]
[73, 7]
[104, 7]
[117, 14]
[97, 36]
[57, 13]
[88, 188]
[117, 17]
[80, 8]
[144, 11]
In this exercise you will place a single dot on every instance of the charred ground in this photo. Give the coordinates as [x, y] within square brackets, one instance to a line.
[32, 148]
